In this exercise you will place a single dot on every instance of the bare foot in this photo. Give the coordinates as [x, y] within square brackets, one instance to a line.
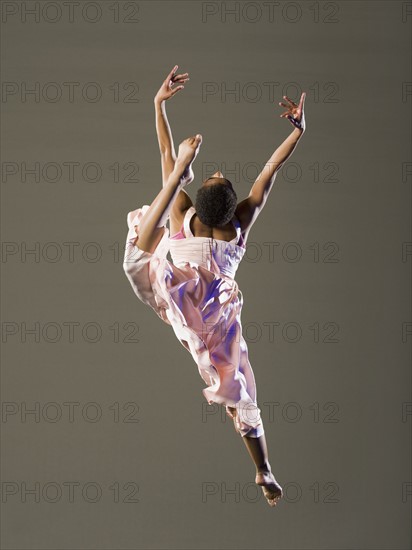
[188, 151]
[270, 487]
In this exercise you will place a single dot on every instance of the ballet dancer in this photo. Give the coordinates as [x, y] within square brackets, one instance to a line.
[196, 293]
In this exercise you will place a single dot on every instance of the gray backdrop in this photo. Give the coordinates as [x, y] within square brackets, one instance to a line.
[108, 442]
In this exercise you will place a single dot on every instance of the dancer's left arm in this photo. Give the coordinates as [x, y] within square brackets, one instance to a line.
[266, 178]
[249, 209]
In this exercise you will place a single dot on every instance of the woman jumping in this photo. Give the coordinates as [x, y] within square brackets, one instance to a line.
[196, 293]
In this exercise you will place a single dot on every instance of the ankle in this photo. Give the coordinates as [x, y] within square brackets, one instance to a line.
[181, 166]
[264, 469]
[179, 172]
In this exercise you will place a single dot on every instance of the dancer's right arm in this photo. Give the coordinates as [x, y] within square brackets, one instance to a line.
[164, 135]
[164, 132]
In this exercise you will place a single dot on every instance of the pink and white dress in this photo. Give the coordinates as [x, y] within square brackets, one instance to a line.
[197, 295]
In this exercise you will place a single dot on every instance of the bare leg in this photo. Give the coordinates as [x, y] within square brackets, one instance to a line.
[258, 451]
[152, 225]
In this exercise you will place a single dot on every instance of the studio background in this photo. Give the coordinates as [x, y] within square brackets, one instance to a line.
[122, 451]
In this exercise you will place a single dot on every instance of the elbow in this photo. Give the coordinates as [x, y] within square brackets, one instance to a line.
[257, 200]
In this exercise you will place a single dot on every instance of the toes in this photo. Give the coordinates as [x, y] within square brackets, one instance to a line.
[272, 494]
[197, 138]
[273, 500]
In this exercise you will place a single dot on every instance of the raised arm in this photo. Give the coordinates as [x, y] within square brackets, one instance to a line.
[164, 133]
[249, 209]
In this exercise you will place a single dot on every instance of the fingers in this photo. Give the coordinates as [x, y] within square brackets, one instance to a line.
[174, 78]
[301, 102]
[180, 81]
[178, 77]
[290, 110]
[175, 90]
[290, 101]
[294, 112]
[170, 75]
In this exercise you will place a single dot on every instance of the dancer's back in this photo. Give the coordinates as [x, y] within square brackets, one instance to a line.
[186, 247]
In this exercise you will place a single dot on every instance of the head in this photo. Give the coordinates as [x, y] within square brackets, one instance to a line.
[216, 201]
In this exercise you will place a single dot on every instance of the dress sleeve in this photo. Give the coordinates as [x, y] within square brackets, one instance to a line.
[133, 220]
[130, 217]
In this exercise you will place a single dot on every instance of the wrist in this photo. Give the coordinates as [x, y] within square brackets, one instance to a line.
[298, 132]
[158, 102]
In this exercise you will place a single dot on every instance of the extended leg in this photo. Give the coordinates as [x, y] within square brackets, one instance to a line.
[152, 225]
[258, 451]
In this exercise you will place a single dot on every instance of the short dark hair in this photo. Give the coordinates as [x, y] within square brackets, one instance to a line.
[216, 203]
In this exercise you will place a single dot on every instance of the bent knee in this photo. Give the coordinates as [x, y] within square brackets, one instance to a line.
[231, 410]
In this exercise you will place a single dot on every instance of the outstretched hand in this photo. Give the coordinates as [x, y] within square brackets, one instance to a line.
[166, 91]
[295, 113]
